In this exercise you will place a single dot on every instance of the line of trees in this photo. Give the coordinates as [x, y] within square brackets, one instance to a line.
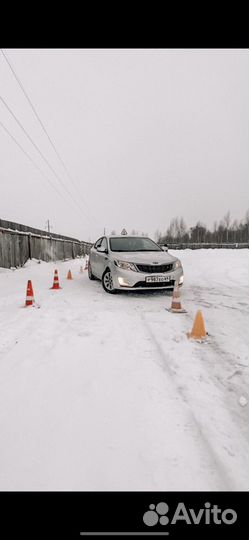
[226, 231]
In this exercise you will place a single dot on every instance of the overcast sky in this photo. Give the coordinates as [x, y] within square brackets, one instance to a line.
[146, 135]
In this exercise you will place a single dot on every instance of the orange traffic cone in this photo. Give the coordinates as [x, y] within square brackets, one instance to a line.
[176, 306]
[30, 299]
[69, 275]
[86, 265]
[199, 328]
[56, 281]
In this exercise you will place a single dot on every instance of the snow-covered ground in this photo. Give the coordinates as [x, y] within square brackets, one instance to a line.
[102, 392]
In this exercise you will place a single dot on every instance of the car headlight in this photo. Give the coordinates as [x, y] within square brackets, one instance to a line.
[125, 265]
[177, 264]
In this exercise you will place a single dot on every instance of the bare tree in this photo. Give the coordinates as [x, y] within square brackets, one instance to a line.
[174, 228]
[157, 235]
[215, 231]
[247, 224]
[182, 228]
[221, 229]
[226, 221]
[234, 229]
[241, 228]
[198, 233]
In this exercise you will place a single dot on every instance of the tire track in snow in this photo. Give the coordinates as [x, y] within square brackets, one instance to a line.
[227, 360]
[213, 457]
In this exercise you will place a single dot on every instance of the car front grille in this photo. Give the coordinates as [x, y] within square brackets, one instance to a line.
[160, 285]
[154, 269]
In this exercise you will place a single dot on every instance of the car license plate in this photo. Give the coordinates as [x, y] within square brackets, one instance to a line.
[156, 279]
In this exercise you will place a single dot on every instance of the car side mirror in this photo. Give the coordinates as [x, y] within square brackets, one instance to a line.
[165, 248]
[102, 249]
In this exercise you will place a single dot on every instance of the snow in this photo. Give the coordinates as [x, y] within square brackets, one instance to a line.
[102, 392]
[243, 401]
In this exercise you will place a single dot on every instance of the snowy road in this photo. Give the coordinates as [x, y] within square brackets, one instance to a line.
[101, 392]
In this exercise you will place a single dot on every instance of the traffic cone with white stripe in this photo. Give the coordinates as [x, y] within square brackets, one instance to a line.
[176, 306]
[30, 299]
[56, 284]
[86, 265]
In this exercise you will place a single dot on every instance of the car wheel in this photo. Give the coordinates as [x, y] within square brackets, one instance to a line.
[107, 282]
[90, 274]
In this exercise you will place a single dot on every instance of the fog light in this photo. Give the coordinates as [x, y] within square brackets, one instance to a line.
[122, 282]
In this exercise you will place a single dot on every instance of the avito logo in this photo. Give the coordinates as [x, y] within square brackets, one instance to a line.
[209, 514]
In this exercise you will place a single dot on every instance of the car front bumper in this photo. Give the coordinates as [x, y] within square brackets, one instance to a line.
[131, 280]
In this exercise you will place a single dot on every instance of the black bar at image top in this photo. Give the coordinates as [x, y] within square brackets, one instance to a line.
[179, 24]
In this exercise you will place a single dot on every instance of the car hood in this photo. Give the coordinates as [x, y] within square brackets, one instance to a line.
[142, 257]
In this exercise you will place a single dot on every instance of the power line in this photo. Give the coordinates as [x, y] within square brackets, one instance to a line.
[41, 124]
[27, 135]
[30, 159]
[41, 154]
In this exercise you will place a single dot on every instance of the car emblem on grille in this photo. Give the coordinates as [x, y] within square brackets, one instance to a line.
[155, 263]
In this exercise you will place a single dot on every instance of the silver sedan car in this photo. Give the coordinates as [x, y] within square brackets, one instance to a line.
[132, 263]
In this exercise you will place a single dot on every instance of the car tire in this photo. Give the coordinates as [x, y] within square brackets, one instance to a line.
[107, 282]
[90, 274]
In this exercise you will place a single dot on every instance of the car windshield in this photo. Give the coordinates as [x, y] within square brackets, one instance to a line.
[129, 243]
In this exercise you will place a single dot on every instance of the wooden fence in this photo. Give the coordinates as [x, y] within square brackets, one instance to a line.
[18, 243]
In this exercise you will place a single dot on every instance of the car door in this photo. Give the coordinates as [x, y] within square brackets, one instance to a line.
[101, 257]
[94, 256]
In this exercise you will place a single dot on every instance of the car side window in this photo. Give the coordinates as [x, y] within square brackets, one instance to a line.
[98, 243]
[104, 243]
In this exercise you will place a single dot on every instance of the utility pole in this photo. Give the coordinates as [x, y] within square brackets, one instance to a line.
[48, 226]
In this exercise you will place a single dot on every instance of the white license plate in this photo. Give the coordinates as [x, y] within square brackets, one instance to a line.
[156, 279]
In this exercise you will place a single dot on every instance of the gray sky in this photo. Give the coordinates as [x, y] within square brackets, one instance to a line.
[146, 135]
